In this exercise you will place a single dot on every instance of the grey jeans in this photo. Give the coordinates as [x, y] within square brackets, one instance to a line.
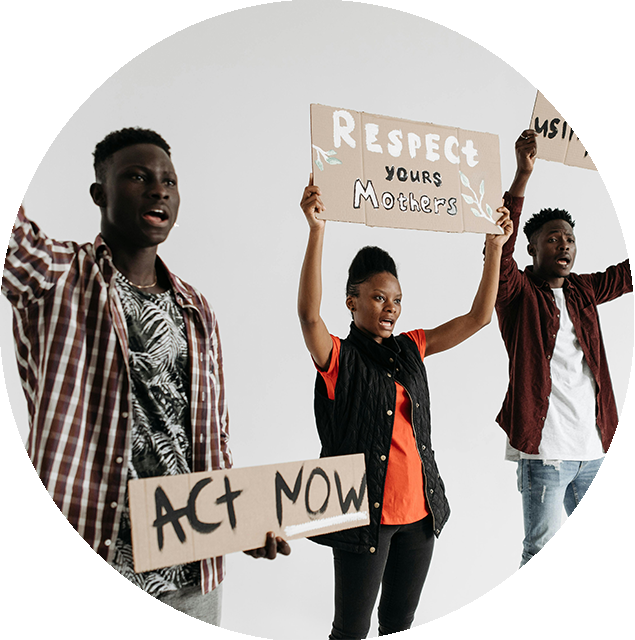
[74, 613]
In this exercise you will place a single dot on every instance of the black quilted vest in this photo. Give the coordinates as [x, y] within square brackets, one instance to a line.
[360, 420]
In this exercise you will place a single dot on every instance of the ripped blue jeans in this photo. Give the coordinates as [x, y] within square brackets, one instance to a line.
[545, 487]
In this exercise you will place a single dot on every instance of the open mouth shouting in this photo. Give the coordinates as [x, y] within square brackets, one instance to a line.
[157, 217]
[564, 260]
[387, 323]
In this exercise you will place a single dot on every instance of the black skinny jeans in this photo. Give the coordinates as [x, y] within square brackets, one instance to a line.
[400, 565]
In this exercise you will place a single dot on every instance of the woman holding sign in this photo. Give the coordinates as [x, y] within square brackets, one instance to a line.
[371, 397]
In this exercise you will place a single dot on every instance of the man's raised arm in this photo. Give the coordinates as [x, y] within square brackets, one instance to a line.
[526, 148]
[74, 37]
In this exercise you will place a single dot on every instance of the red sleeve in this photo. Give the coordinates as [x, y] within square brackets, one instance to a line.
[330, 375]
[418, 336]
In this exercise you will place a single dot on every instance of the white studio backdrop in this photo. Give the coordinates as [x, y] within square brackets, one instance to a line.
[231, 95]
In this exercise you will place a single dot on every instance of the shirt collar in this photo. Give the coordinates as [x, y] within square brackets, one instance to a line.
[183, 296]
[543, 284]
[381, 352]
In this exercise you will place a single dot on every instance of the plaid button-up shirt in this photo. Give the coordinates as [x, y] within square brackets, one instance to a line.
[71, 344]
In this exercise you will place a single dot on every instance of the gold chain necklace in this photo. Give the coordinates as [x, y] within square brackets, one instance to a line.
[144, 286]
[140, 286]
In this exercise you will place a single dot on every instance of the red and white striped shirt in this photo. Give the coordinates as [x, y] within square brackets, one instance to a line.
[71, 344]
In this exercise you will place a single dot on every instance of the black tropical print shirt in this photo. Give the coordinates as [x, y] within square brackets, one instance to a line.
[161, 434]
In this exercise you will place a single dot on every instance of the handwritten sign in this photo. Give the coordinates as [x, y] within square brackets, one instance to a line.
[178, 519]
[388, 172]
[584, 117]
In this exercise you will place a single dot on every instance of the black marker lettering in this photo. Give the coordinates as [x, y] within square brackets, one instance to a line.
[317, 472]
[564, 130]
[541, 129]
[437, 179]
[229, 498]
[281, 486]
[390, 173]
[351, 496]
[166, 514]
[195, 523]
[402, 174]
[554, 128]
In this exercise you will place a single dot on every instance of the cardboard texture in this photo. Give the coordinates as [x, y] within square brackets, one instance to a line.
[389, 172]
[584, 117]
[179, 519]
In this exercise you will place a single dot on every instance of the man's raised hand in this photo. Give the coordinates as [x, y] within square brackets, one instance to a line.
[75, 36]
[526, 149]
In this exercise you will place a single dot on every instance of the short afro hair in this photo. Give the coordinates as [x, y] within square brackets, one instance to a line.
[368, 262]
[538, 220]
[121, 139]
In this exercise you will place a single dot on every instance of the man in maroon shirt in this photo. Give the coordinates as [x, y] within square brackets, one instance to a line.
[559, 412]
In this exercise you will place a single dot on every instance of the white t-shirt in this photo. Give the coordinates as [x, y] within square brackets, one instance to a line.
[570, 431]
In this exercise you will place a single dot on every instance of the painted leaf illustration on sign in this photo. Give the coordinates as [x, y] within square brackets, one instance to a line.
[326, 155]
[474, 199]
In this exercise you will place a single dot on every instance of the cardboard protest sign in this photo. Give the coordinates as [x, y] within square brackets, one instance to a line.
[389, 172]
[584, 117]
[178, 519]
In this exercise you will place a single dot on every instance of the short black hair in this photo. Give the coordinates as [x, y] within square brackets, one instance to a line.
[538, 220]
[121, 139]
[368, 262]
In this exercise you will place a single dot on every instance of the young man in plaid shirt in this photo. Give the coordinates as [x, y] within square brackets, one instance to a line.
[121, 364]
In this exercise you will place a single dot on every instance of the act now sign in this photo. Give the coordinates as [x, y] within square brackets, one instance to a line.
[179, 519]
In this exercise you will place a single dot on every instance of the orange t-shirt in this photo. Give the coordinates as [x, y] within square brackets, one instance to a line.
[404, 500]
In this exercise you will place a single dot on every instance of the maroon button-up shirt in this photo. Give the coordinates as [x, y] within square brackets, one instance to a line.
[529, 320]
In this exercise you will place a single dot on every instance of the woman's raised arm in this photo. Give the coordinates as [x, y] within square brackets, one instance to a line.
[316, 335]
